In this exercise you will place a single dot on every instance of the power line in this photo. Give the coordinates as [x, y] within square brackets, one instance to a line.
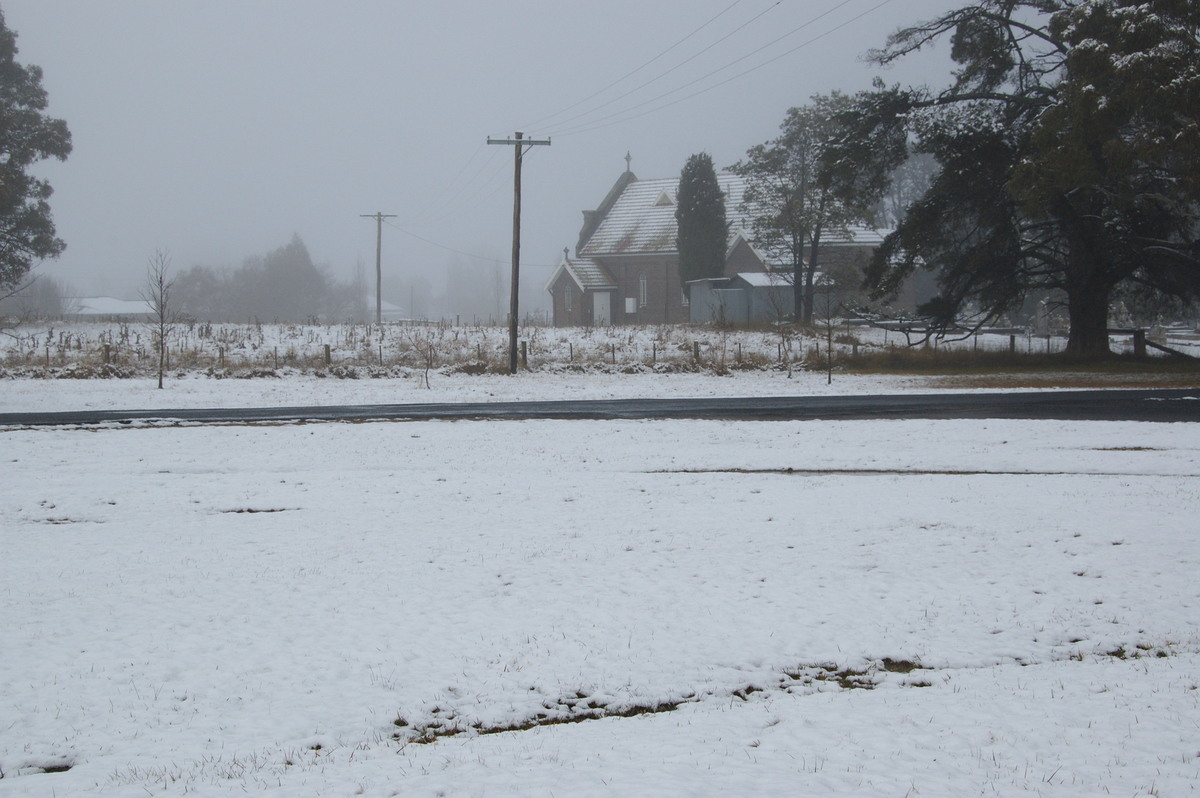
[603, 122]
[681, 64]
[736, 61]
[493, 162]
[452, 187]
[464, 253]
[632, 72]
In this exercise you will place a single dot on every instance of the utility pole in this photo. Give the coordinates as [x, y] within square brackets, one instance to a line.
[519, 144]
[379, 217]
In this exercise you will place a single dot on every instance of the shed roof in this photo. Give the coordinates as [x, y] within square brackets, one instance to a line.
[111, 306]
[766, 279]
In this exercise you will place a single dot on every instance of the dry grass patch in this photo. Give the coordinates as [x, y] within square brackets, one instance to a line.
[1068, 379]
[966, 369]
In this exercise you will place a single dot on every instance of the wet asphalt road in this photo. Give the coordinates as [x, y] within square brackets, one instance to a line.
[1108, 405]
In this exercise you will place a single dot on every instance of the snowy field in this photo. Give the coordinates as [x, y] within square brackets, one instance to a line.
[298, 390]
[115, 349]
[111, 366]
[880, 608]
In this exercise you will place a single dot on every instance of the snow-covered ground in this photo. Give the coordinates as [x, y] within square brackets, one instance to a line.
[346, 609]
[296, 389]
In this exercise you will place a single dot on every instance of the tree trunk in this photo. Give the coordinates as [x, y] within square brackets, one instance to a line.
[798, 292]
[807, 314]
[162, 357]
[810, 275]
[797, 246]
[1088, 284]
[1087, 309]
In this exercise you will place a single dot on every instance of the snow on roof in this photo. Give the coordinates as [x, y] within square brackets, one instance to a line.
[587, 274]
[639, 223]
[766, 279]
[110, 306]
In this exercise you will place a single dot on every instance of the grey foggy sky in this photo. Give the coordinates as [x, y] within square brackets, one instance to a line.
[215, 129]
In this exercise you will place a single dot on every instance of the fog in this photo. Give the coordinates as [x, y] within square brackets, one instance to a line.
[218, 130]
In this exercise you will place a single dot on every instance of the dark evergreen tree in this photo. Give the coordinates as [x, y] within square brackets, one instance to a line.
[1066, 146]
[700, 214]
[27, 135]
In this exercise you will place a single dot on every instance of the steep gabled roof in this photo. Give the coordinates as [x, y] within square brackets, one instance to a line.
[638, 222]
[592, 219]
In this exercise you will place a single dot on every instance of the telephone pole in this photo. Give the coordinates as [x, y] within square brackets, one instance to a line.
[379, 217]
[519, 144]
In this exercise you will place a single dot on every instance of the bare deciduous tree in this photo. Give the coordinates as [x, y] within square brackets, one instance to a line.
[157, 295]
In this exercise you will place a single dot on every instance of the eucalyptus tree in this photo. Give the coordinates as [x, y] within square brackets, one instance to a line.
[798, 191]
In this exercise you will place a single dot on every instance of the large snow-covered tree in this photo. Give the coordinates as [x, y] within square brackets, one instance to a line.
[1066, 146]
[27, 135]
[1113, 162]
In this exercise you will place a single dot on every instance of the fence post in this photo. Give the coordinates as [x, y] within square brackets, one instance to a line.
[276, 351]
[1139, 343]
[107, 354]
[1012, 343]
[328, 356]
[613, 347]
[525, 354]
[696, 351]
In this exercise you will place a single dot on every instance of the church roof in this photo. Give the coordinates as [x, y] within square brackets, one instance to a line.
[587, 274]
[641, 220]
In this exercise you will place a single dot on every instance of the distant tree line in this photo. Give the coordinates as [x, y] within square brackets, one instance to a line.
[41, 298]
[283, 285]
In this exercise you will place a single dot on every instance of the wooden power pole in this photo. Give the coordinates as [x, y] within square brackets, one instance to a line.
[519, 144]
[379, 217]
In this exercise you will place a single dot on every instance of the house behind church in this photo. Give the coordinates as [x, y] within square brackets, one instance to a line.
[626, 264]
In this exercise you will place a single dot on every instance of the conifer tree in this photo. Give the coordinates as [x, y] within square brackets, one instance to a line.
[700, 214]
[27, 136]
[1066, 146]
